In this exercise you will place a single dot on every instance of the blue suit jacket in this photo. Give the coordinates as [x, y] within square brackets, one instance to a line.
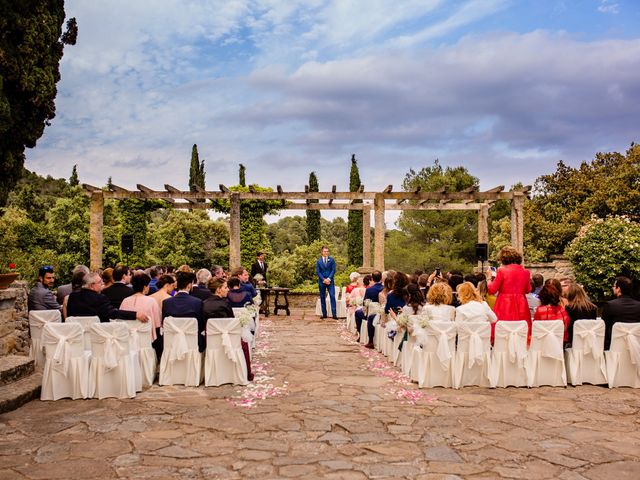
[325, 271]
[183, 305]
[372, 292]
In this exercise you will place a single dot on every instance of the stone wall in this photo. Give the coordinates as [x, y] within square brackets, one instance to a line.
[14, 320]
[558, 268]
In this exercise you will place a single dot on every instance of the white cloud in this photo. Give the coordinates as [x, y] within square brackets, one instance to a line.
[608, 6]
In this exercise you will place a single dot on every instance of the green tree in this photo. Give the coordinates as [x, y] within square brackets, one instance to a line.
[31, 46]
[448, 236]
[313, 216]
[134, 219]
[604, 249]
[73, 179]
[566, 199]
[354, 240]
[242, 176]
[196, 170]
[286, 234]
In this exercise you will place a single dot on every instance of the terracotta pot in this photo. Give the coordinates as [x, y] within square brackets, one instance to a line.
[7, 279]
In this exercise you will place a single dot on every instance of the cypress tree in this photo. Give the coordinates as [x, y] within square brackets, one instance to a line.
[313, 216]
[354, 235]
[243, 176]
[196, 170]
[73, 179]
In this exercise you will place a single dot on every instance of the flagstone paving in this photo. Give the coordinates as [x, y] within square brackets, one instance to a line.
[324, 407]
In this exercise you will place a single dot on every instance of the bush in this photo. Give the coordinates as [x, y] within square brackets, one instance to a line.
[603, 250]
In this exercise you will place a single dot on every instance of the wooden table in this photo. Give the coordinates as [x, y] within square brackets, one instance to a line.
[280, 300]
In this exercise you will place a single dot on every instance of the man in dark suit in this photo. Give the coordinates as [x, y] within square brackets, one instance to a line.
[326, 269]
[89, 302]
[259, 267]
[200, 290]
[183, 305]
[621, 309]
[120, 288]
[372, 294]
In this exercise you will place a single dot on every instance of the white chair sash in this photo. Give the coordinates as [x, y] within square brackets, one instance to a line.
[115, 341]
[179, 346]
[589, 333]
[37, 320]
[476, 341]
[516, 347]
[547, 332]
[224, 329]
[61, 355]
[630, 333]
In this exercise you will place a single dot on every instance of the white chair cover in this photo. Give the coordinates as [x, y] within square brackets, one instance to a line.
[436, 358]
[112, 371]
[142, 353]
[341, 302]
[66, 368]
[224, 360]
[507, 366]
[585, 359]
[408, 348]
[37, 320]
[473, 354]
[351, 320]
[181, 362]
[545, 361]
[623, 357]
[85, 323]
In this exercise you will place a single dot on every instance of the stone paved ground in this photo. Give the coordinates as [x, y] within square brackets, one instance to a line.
[342, 414]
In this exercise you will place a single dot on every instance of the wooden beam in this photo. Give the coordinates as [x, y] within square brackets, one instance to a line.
[379, 233]
[142, 188]
[325, 206]
[497, 189]
[90, 188]
[171, 189]
[333, 190]
[361, 189]
[435, 206]
[388, 189]
[96, 222]
[199, 189]
[366, 237]
[223, 188]
[115, 188]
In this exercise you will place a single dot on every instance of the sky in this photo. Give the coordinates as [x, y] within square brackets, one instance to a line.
[505, 88]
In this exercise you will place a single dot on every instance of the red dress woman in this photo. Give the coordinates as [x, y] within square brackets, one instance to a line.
[512, 283]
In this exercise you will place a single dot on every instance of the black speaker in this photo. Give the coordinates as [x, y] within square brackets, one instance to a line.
[482, 252]
[127, 244]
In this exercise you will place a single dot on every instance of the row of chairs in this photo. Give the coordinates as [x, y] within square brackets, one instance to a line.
[458, 354]
[84, 358]
[341, 303]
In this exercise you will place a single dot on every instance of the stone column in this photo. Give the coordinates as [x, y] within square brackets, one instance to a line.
[96, 213]
[378, 238]
[483, 226]
[517, 223]
[366, 237]
[234, 232]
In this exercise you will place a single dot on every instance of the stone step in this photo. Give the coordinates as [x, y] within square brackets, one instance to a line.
[15, 367]
[17, 393]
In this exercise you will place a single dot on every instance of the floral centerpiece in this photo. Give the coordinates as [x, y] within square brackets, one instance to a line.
[7, 274]
[402, 320]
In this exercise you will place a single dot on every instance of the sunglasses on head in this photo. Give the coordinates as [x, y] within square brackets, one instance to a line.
[47, 269]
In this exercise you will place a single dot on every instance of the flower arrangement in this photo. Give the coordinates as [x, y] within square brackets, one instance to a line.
[402, 320]
[8, 267]
[257, 300]
[392, 328]
[359, 301]
[423, 321]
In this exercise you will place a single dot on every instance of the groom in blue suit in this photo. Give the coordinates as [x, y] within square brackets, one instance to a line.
[326, 269]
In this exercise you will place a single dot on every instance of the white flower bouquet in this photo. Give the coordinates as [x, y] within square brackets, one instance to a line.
[402, 320]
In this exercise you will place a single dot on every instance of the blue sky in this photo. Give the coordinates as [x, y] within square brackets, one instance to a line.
[506, 88]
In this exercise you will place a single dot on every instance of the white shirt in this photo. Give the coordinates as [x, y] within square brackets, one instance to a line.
[475, 311]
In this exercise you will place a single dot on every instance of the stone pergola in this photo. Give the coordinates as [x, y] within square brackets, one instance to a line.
[378, 202]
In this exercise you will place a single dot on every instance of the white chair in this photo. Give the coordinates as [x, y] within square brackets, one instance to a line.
[351, 320]
[66, 368]
[142, 353]
[509, 354]
[224, 359]
[436, 358]
[408, 348]
[585, 359]
[623, 356]
[112, 371]
[341, 303]
[37, 320]
[181, 362]
[85, 323]
[545, 360]
[328, 304]
[473, 354]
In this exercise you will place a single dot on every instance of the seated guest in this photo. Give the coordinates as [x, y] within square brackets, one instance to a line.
[472, 308]
[139, 302]
[558, 286]
[120, 288]
[153, 284]
[621, 309]
[439, 306]
[550, 308]
[183, 305]
[579, 307]
[353, 279]
[396, 299]
[414, 300]
[40, 296]
[372, 294]
[387, 286]
[357, 292]
[201, 290]
[218, 306]
[538, 281]
[89, 302]
[455, 279]
[66, 289]
[76, 285]
[423, 284]
[238, 297]
[532, 300]
[166, 284]
[107, 277]
[243, 275]
[366, 280]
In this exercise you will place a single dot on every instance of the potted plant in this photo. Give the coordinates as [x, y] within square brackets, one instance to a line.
[8, 274]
